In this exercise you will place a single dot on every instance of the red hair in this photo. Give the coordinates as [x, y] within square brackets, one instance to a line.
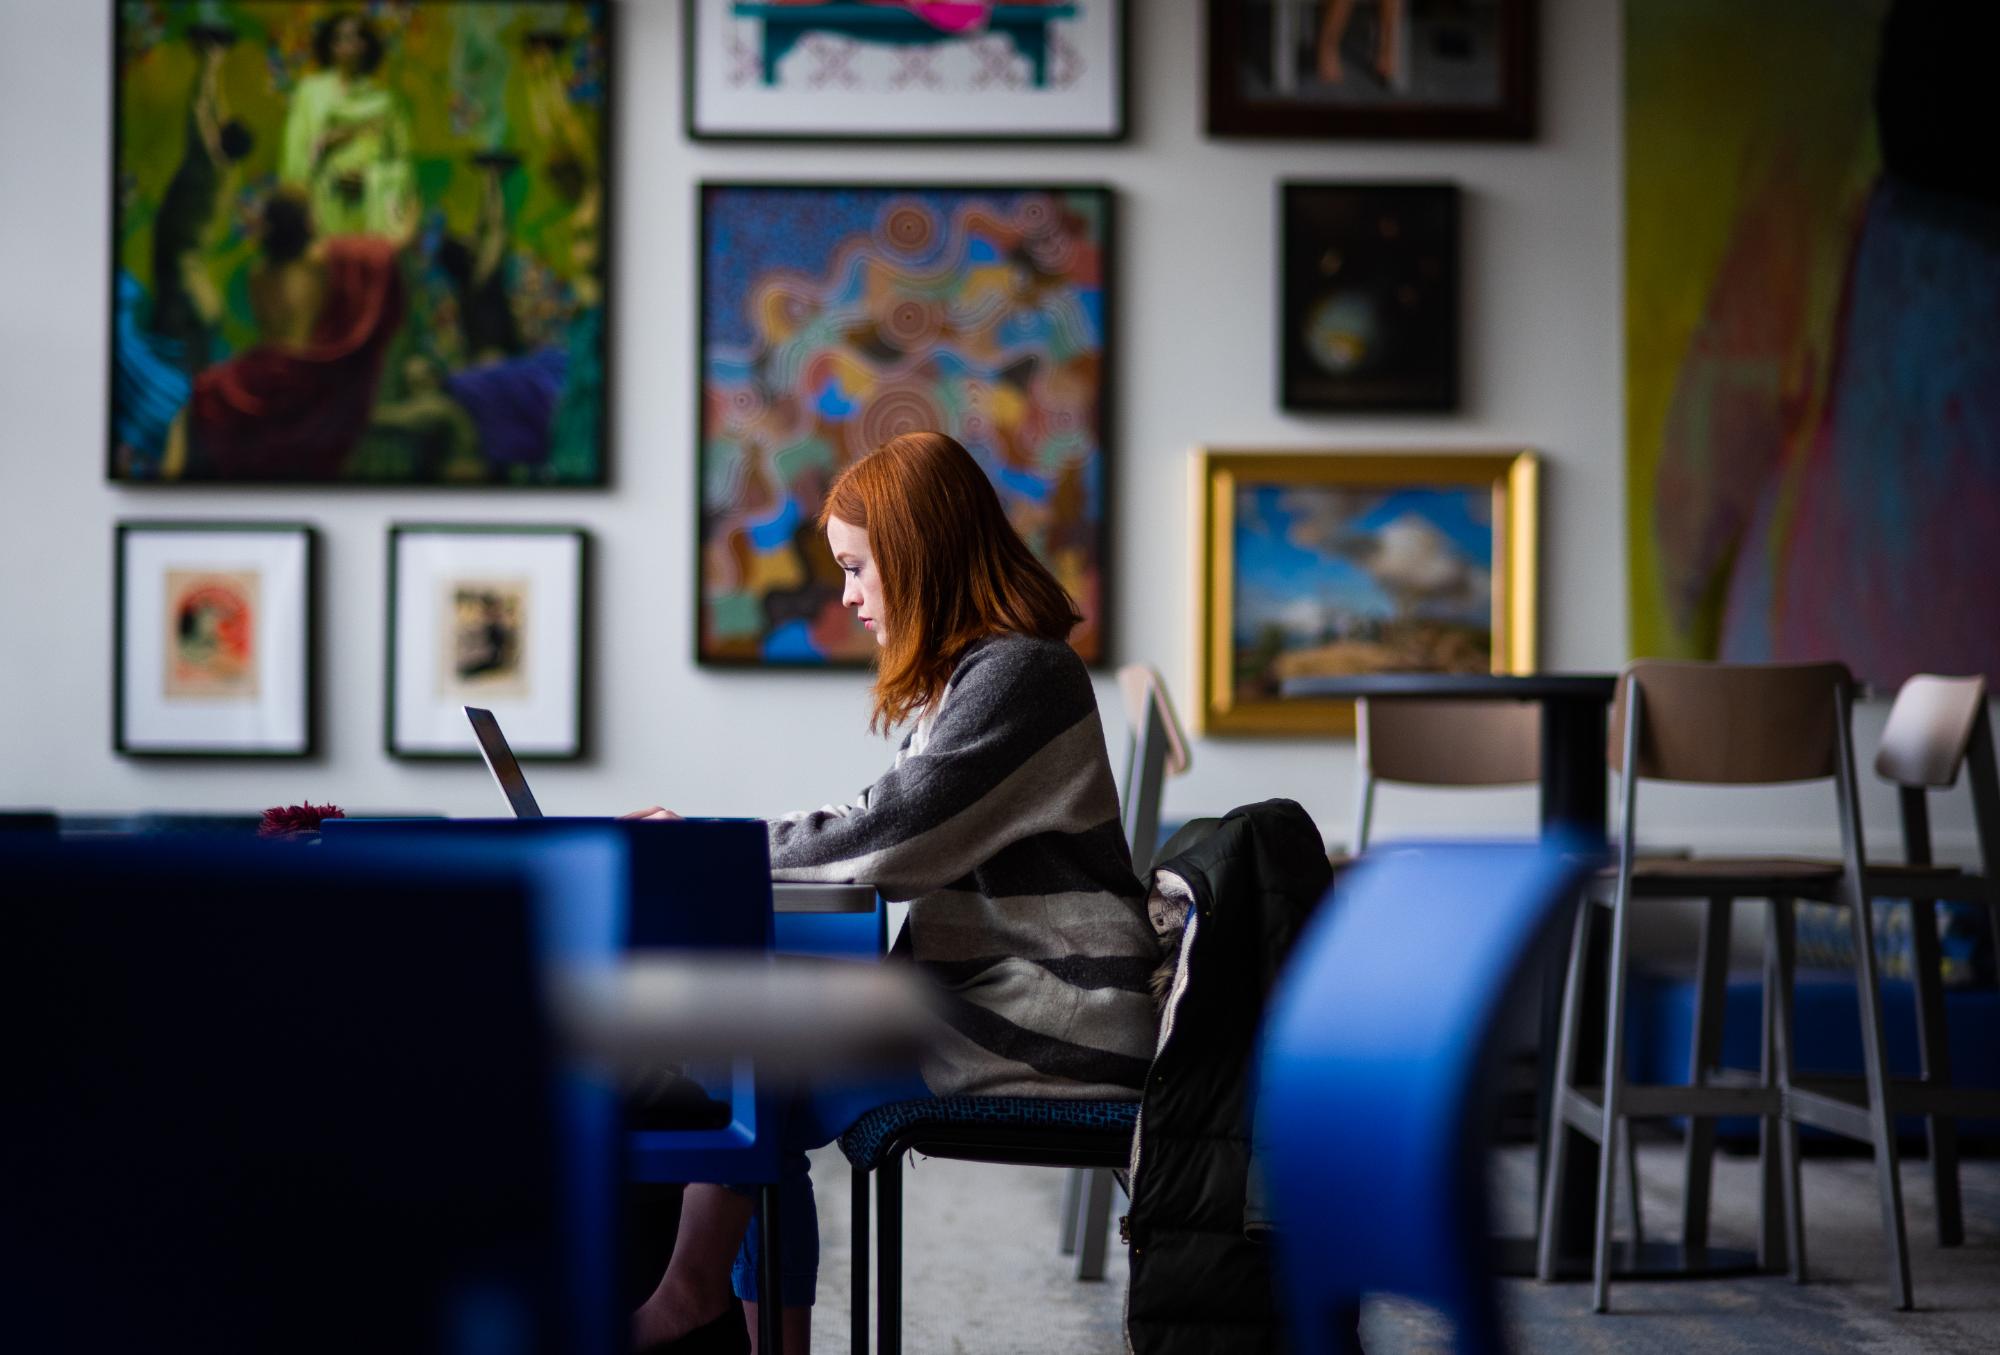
[953, 568]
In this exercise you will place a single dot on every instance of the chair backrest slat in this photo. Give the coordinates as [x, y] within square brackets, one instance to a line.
[1929, 729]
[1732, 723]
[1452, 743]
[1155, 749]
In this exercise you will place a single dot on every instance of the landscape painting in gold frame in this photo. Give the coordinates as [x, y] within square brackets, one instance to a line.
[1321, 564]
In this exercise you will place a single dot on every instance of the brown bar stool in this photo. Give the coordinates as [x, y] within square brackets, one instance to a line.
[1442, 744]
[1741, 725]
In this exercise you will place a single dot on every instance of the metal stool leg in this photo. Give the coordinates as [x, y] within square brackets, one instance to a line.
[1095, 1223]
[859, 1298]
[1881, 1123]
[1072, 1202]
[1770, 1155]
[1942, 1130]
[1704, 1053]
[889, 1256]
[1614, 1098]
[771, 1308]
[1783, 959]
[1557, 1130]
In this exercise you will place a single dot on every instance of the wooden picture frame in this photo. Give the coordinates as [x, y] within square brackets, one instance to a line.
[1322, 563]
[1435, 70]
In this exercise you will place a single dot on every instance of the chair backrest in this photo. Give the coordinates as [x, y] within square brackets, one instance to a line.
[1155, 749]
[1369, 1103]
[1732, 723]
[238, 1080]
[1441, 743]
[1929, 730]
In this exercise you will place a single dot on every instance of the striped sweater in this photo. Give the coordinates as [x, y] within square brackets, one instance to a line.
[999, 824]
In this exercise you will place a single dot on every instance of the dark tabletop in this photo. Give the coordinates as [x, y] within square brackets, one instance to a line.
[1497, 686]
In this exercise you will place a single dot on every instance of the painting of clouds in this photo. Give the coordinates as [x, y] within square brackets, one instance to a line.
[1337, 580]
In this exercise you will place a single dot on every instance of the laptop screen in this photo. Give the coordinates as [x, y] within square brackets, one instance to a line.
[501, 762]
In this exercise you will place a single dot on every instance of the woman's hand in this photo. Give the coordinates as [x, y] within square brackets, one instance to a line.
[651, 812]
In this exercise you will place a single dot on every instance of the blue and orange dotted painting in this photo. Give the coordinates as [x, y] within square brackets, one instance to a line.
[835, 318]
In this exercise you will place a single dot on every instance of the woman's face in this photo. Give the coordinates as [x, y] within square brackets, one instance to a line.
[348, 47]
[863, 587]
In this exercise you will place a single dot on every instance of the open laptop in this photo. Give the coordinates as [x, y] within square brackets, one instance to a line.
[506, 769]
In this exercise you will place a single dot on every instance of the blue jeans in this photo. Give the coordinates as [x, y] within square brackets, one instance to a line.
[810, 1120]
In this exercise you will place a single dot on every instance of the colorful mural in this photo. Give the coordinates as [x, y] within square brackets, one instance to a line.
[359, 242]
[1813, 334]
[835, 318]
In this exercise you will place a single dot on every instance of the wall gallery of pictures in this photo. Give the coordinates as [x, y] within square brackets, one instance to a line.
[365, 245]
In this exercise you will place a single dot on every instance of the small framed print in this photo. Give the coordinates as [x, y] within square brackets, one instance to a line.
[489, 616]
[214, 643]
[1370, 304]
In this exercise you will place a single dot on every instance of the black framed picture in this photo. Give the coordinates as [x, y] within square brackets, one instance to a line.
[214, 639]
[1439, 69]
[491, 616]
[360, 244]
[837, 316]
[863, 70]
[1369, 310]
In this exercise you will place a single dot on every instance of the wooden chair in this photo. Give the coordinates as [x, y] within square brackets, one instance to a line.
[1155, 749]
[1741, 725]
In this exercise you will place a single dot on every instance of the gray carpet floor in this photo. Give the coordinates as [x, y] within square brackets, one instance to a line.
[983, 1277]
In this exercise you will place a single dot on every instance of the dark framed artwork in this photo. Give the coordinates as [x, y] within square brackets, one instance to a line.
[1369, 311]
[491, 616]
[214, 639]
[359, 244]
[837, 316]
[1439, 69]
[865, 70]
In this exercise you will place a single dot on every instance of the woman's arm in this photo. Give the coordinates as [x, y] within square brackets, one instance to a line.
[1016, 750]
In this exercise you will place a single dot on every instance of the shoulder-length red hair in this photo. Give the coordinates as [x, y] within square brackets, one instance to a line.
[953, 568]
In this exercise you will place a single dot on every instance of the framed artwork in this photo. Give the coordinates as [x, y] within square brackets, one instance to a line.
[835, 317]
[1370, 305]
[488, 616]
[1323, 564]
[1455, 70]
[214, 642]
[906, 70]
[359, 244]
[1812, 340]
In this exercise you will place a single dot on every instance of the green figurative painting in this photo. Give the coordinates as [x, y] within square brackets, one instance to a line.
[360, 243]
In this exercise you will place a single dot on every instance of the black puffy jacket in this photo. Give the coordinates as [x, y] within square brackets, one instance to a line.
[1200, 1281]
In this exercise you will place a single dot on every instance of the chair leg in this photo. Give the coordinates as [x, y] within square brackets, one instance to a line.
[1557, 1131]
[1881, 1123]
[1095, 1223]
[1614, 1109]
[1781, 965]
[889, 1257]
[771, 1310]
[1629, 1150]
[1704, 1053]
[1933, 1043]
[1072, 1202]
[1770, 1167]
[860, 1299]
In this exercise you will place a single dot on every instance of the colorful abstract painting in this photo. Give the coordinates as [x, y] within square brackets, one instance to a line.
[906, 70]
[359, 242]
[1813, 334]
[835, 318]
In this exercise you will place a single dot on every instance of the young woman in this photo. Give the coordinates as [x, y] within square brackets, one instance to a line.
[998, 822]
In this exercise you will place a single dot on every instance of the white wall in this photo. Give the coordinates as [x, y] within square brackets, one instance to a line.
[1196, 349]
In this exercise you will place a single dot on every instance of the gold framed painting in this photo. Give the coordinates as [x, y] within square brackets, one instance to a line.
[1324, 564]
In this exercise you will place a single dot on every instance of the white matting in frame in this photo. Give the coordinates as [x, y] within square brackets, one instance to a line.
[214, 639]
[485, 616]
[1054, 70]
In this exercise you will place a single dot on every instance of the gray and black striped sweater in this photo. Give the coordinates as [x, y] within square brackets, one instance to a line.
[999, 824]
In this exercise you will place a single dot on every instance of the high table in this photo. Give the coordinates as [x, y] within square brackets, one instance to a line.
[1574, 771]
